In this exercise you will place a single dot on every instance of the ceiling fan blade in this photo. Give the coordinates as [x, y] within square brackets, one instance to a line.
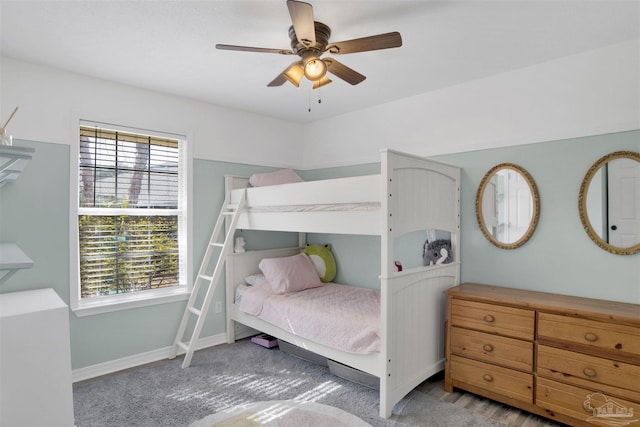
[253, 49]
[302, 19]
[347, 74]
[278, 81]
[380, 41]
[293, 73]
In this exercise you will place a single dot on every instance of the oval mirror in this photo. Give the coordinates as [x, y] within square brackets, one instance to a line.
[609, 202]
[507, 206]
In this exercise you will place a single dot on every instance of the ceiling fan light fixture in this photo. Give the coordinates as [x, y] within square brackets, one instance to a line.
[294, 74]
[321, 82]
[315, 69]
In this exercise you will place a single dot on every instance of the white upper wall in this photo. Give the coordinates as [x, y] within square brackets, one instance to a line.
[51, 101]
[586, 94]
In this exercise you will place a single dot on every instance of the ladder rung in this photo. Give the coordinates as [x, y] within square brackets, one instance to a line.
[205, 277]
[182, 345]
[194, 311]
[232, 207]
[227, 213]
[220, 245]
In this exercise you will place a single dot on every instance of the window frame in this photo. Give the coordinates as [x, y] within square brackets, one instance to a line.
[106, 304]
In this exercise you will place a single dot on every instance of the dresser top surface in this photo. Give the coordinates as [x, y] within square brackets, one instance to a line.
[612, 311]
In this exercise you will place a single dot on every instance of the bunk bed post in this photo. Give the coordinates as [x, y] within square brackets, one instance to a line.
[231, 182]
[229, 299]
[386, 252]
[455, 235]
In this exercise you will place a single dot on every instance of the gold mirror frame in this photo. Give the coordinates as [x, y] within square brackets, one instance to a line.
[582, 203]
[536, 206]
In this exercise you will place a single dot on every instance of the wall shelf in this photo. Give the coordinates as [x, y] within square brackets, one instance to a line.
[12, 259]
[12, 161]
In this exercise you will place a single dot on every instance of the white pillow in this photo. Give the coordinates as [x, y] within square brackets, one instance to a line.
[254, 279]
[284, 176]
[290, 274]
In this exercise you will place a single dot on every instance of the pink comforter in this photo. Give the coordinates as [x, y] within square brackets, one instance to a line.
[343, 317]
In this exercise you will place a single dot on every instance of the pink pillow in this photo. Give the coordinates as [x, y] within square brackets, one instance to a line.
[290, 274]
[284, 176]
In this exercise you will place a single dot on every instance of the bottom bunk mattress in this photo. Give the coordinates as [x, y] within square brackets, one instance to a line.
[343, 317]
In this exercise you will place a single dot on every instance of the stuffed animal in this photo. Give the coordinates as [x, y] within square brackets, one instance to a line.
[437, 252]
[323, 260]
[239, 246]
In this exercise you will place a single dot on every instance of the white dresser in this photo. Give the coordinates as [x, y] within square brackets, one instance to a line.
[35, 360]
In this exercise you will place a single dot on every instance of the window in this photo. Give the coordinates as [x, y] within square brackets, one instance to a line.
[131, 219]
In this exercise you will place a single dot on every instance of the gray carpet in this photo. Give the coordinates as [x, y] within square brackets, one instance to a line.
[163, 394]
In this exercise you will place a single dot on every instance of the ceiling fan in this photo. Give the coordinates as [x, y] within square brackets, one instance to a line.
[309, 40]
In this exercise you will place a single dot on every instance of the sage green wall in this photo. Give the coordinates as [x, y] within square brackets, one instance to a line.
[560, 257]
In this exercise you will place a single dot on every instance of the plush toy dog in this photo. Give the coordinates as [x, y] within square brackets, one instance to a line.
[437, 252]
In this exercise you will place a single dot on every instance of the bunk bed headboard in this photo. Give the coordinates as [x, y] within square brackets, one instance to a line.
[421, 194]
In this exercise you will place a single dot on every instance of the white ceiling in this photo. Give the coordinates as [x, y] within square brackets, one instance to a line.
[169, 46]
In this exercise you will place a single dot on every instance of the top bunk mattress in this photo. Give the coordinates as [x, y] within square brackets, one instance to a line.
[343, 205]
[333, 194]
[328, 207]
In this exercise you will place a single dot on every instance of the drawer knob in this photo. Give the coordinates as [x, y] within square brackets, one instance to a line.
[488, 348]
[489, 318]
[591, 337]
[487, 378]
[589, 372]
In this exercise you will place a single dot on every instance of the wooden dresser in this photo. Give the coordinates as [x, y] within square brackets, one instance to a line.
[574, 360]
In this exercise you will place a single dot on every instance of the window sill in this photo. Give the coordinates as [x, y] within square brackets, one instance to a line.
[128, 301]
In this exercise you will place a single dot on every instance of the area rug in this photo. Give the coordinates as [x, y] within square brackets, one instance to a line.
[282, 413]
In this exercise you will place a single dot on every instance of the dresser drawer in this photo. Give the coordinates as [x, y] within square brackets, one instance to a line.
[509, 352]
[507, 382]
[584, 404]
[581, 369]
[611, 338]
[496, 319]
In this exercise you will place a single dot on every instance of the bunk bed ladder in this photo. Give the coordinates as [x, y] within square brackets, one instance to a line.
[211, 280]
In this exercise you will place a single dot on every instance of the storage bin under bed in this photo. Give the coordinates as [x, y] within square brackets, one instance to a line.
[337, 369]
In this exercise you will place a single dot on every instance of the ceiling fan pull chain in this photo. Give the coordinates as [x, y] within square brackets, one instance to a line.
[311, 91]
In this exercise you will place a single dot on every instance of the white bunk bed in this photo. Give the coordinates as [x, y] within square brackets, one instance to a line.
[410, 194]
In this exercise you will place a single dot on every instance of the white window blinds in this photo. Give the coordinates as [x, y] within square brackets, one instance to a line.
[129, 212]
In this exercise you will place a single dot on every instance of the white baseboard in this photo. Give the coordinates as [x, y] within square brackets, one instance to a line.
[112, 366]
